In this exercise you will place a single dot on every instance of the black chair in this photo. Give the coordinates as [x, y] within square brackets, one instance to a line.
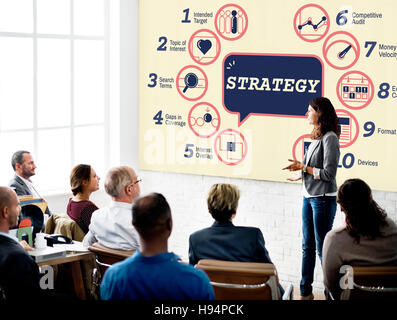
[35, 215]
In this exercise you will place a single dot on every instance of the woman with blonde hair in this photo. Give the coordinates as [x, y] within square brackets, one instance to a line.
[223, 240]
[83, 182]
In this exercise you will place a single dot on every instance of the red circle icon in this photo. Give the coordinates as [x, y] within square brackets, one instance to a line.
[311, 22]
[300, 146]
[349, 128]
[230, 147]
[341, 50]
[231, 22]
[191, 83]
[204, 46]
[355, 90]
[204, 120]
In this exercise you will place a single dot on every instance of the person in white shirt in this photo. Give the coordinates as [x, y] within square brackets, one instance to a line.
[111, 226]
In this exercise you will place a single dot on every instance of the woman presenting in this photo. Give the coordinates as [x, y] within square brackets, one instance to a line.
[318, 172]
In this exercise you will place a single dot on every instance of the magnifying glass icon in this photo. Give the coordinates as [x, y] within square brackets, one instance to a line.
[191, 81]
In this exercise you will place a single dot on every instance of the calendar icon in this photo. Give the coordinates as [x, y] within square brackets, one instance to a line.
[355, 90]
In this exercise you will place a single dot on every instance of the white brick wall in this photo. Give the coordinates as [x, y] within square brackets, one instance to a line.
[273, 207]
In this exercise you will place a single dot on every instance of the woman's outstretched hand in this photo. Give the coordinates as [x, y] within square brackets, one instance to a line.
[298, 177]
[294, 166]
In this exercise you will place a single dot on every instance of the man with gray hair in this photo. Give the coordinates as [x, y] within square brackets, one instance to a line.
[111, 226]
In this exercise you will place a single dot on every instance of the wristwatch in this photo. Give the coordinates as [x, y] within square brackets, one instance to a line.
[305, 168]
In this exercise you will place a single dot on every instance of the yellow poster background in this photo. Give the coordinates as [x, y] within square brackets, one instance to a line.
[269, 139]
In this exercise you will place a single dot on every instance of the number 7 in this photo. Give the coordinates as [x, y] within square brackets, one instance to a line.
[372, 44]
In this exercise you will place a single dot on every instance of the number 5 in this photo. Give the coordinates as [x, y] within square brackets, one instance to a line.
[189, 150]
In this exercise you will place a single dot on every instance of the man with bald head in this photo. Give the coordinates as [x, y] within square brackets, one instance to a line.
[111, 226]
[19, 274]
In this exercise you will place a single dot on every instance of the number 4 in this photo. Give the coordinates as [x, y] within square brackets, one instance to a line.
[158, 117]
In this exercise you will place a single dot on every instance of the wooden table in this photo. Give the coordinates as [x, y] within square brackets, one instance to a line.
[74, 259]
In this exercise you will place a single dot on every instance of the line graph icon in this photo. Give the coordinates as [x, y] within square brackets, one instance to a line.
[311, 23]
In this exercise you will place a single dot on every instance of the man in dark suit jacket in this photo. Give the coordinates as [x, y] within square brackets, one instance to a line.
[23, 164]
[19, 274]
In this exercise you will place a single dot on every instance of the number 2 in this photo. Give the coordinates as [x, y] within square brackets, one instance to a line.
[162, 46]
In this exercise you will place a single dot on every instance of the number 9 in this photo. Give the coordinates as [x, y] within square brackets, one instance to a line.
[369, 126]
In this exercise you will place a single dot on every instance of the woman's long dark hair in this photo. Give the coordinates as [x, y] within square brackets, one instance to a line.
[328, 120]
[364, 217]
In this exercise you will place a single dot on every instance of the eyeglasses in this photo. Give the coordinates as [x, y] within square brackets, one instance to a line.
[138, 179]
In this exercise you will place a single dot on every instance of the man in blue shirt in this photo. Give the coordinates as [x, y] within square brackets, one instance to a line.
[153, 272]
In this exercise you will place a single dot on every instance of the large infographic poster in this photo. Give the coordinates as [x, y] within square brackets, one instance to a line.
[224, 86]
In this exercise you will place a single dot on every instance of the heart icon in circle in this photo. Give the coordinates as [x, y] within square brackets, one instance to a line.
[204, 45]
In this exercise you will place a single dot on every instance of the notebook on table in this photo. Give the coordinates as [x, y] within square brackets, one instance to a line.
[48, 253]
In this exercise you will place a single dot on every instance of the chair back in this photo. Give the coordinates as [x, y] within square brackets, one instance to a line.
[241, 280]
[372, 283]
[105, 256]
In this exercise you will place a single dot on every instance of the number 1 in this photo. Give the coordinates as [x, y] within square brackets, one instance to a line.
[186, 20]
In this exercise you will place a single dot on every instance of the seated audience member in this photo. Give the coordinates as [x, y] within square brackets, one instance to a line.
[19, 274]
[223, 240]
[111, 226]
[153, 272]
[83, 182]
[368, 238]
[23, 164]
